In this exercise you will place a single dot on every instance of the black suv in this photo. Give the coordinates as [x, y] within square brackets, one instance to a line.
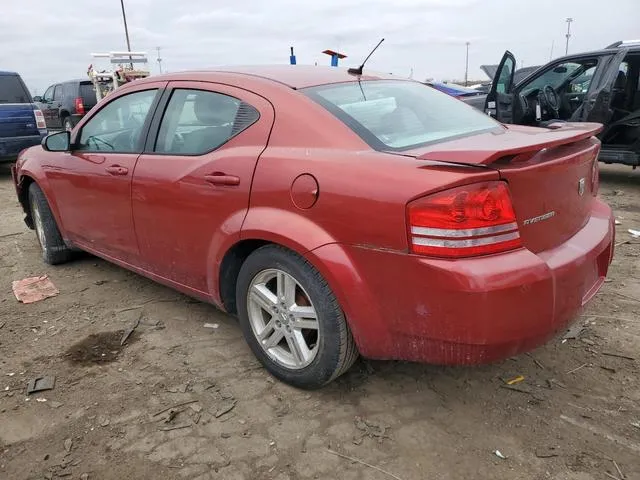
[64, 104]
[601, 86]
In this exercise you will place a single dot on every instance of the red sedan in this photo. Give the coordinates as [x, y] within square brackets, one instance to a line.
[334, 214]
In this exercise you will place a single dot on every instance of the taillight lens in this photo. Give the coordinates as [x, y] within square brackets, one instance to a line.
[40, 123]
[595, 177]
[465, 221]
[79, 106]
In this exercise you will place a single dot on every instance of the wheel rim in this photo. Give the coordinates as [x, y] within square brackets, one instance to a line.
[283, 319]
[37, 222]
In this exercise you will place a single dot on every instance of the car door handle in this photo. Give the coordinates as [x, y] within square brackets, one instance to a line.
[219, 178]
[117, 170]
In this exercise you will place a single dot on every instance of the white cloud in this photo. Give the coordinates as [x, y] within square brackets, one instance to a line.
[48, 42]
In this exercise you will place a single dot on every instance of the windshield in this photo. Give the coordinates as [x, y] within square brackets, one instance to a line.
[400, 115]
[12, 90]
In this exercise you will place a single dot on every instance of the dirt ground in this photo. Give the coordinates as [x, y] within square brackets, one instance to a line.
[181, 400]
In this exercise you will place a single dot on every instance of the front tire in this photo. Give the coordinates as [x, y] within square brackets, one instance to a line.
[291, 319]
[54, 250]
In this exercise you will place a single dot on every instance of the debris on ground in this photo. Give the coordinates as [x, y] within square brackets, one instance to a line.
[618, 222]
[574, 332]
[514, 380]
[546, 452]
[618, 355]
[499, 454]
[68, 443]
[371, 429]
[2, 324]
[634, 233]
[225, 409]
[127, 333]
[636, 424]
[173, 407]
[34, 289]
[353, 459]
[211, 325]
[55, 404]
[577, 368]
[40, 384]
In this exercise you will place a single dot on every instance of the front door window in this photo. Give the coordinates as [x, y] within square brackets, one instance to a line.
[117, 128]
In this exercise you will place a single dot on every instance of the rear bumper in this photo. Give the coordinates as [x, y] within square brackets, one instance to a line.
[468, 311]
[10, 147]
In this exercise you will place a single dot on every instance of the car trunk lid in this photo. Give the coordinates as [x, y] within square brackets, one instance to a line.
[549, 173]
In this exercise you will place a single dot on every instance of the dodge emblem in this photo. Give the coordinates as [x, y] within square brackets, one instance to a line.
[581, 186]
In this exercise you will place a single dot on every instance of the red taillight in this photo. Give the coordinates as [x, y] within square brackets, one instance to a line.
[79, 106]
[466, 221]
[40, 123]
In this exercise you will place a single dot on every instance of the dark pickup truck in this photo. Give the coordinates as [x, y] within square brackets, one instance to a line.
[22, 124]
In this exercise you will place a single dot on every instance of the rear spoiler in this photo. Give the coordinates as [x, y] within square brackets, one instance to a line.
[564, 134]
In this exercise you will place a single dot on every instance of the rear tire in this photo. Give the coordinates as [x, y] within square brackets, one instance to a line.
[54, 250]
[67, 124]
[308, 321]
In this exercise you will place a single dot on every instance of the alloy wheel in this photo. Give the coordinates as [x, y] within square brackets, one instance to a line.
[283, 318]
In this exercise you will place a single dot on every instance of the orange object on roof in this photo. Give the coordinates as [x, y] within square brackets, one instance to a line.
[332, 53]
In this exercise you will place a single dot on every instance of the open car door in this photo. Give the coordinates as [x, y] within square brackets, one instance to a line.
[597, 107]
[499, 102]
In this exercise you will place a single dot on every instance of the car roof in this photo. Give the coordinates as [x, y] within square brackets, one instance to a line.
[3, 72]
[294, 76]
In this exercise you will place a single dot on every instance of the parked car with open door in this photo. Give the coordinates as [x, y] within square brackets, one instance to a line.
[601, 86]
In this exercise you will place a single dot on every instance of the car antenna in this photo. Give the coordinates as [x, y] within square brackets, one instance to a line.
[358, 71]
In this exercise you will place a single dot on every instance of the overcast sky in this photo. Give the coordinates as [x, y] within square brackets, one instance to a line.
[48, 41]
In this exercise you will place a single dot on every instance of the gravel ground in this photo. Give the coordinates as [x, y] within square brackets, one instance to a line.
[180, 400]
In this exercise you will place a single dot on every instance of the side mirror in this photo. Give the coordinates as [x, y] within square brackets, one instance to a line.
[57, 142]
[37, 98]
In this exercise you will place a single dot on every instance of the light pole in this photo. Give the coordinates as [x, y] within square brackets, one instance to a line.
[466, 68]
[159, 59]
[568, 35]
[126, 30]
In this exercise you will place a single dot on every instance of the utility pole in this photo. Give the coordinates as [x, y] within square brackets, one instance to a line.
[551, 53]
[568, 35]
[126, 29]
[159, 59]
[466, 68]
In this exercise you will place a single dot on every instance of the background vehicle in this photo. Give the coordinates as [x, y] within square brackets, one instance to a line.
[468, 95]
[333, 213]
[601, 86]
[65, 103]
[21, 123]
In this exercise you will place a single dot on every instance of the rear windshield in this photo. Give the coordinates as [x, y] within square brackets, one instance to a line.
[88, 93]
[12, 90]
[400, 115]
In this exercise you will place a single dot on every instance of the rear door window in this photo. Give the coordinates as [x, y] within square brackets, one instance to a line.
[197, 121]
[12, 90]
[58, 94]
[400, 115]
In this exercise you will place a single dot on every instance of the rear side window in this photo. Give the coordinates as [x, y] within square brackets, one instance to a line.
[88, 93]
[400, 115]
[12, 90]
[198, 121]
